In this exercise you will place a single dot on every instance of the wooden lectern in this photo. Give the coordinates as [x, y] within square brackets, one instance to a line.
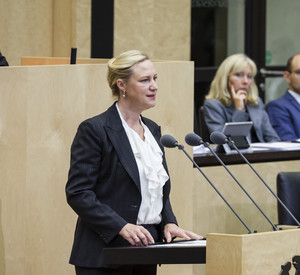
[226, 254]
[258, 253]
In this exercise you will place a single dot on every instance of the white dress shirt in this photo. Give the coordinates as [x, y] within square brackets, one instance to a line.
[153, 176]
[295, 95]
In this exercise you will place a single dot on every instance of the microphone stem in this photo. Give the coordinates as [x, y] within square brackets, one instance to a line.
[280, 201]
[206, 144]
[180, 147]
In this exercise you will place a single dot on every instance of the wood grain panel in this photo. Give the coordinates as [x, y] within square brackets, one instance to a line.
[160, 28]
[40, 109]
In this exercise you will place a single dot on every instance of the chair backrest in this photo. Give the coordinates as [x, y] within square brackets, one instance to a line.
[288, 190]
[204, 132]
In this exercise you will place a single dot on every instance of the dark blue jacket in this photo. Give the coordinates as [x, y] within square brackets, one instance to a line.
[284, 114]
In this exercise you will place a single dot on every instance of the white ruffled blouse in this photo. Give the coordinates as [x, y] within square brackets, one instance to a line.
[153, 175]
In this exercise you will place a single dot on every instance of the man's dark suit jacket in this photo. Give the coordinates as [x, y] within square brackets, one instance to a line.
[103, 186]
[284, 114]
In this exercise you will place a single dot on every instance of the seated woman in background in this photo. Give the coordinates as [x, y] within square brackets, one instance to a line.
[233, 97]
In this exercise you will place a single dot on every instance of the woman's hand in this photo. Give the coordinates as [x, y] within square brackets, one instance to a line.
[136, 235]
[239, 98]
[171, 231]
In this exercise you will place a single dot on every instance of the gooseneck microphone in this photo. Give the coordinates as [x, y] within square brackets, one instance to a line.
[220, 138]
[170, 142]
[195, 140]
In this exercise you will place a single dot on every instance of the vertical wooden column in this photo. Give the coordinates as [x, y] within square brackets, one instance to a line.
[63, 21]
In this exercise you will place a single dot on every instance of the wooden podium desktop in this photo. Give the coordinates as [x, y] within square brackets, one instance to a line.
[226, 254]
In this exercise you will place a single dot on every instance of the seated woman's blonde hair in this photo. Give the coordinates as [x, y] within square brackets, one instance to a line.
[233, 64]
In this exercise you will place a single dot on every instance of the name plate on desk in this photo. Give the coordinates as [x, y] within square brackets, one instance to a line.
[185, 252]
[238, 132]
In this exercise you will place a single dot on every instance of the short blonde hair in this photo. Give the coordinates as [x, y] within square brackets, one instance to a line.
[231, 65]
[120, 68]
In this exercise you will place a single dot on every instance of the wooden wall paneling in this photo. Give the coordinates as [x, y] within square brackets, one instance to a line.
[160, 28]
[63, 21]
[41, 108]
[13, 158]
[26, 29]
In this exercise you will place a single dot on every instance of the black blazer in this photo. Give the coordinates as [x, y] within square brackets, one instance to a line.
[103, 186]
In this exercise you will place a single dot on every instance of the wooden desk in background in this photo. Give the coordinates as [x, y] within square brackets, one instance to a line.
[261, 156]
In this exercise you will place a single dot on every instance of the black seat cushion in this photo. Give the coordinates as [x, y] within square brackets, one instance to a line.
[288, 190]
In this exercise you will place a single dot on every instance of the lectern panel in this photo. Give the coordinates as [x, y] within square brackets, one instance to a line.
[157, 254]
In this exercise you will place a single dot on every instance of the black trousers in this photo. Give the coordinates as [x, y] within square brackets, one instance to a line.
[124, 270]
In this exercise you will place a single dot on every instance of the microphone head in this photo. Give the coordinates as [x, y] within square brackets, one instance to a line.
[193, 139]
[218, 137]
[168, 141]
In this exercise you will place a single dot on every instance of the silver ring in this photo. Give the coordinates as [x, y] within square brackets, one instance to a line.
[136, 237]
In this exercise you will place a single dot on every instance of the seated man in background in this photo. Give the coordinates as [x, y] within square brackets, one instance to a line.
[284, 112]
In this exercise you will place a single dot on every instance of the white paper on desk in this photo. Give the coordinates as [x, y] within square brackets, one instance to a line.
[276, 146]
[183, 243]
[198, 150]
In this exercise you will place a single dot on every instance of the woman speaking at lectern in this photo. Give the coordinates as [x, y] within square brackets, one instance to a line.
[118, 180]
